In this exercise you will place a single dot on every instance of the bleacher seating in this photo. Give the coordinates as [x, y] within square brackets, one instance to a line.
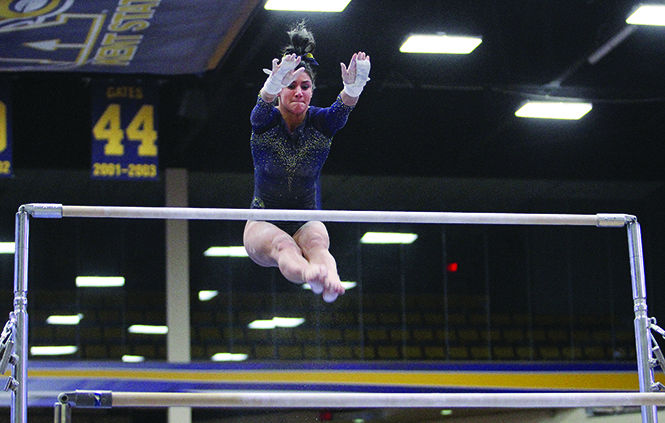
[384, 331]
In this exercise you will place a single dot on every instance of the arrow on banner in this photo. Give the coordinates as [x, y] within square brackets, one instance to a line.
[52, 45]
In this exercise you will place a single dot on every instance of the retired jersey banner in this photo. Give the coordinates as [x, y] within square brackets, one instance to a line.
[5, 131]
[118, 36]
[124, 131]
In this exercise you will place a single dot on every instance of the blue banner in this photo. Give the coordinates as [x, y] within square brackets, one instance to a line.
[6, 168]
[118, 36]
[124, 131]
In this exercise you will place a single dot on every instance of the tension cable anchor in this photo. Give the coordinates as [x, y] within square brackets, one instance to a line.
[7, 356]
[11, 384]
[659, 360]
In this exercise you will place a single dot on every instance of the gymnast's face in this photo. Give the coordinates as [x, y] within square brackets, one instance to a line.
[295, 98]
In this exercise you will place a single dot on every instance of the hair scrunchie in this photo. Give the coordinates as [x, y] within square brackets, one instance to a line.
[309, 58]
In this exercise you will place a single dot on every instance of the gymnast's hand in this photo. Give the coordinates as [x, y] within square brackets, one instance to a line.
[282, 74]
[356, 75]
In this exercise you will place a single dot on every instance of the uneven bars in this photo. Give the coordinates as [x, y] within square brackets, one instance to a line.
[188, 213]
[263, 399]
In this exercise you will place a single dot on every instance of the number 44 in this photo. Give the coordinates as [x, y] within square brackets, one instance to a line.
[141, 128]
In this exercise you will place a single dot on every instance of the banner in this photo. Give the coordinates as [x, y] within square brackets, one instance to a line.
[6, 169]
[124, 131]
[118, 36]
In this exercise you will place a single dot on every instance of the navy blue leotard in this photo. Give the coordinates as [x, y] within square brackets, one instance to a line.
[287, 165]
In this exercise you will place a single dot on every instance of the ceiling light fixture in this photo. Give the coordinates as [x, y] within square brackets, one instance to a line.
[276, 322]
[225, 356]
[64, 319]
[133, 358]
[148, 329]
[307, 5]
[54, 350]
[440, 44]
[648, 14]
[554, 110]
[99, 281]
[234, 251]
[207, 295]
[288, 322]
[388, 238]
[261, 324]
[7, 248]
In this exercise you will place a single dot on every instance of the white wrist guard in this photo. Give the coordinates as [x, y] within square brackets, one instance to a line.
[362, 76]
[353, 90]
[273, 85]
[281, 77]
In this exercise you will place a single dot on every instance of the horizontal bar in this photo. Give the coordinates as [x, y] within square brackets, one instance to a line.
[317, 400]
[605, 220]
[42, 211]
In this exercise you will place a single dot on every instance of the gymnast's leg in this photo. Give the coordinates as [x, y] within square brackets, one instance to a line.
[313, 240]
[269, 246]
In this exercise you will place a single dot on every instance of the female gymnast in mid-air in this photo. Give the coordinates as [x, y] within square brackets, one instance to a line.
[290, 142]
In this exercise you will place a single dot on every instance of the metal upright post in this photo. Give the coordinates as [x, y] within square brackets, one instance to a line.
[19, 397]
[62, 413]
[642, 333]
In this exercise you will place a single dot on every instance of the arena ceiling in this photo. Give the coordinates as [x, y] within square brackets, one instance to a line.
[420, 115]
[454, 115]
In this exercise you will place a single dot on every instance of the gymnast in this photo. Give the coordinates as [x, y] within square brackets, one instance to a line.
[290, 142]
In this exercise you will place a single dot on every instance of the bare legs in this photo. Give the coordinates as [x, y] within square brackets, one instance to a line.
[301, 258]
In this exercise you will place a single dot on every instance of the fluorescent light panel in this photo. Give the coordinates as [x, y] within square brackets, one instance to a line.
[7, 248]
[307, 5]
[225, 356]
[261, 324]
[133, 358]
[148, 329]
[388, 238]
[234, 251]
[277, 322]
[54, 350]
[99, 281]
[648, 14]
[207, 295]
[56, 319]
[288, 322]
[553, 110]
[440, 44]
[345, 284]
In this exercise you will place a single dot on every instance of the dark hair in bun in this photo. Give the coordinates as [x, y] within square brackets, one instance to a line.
[302, 44]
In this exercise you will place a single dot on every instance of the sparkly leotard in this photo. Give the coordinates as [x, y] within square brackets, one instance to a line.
[287, 165]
